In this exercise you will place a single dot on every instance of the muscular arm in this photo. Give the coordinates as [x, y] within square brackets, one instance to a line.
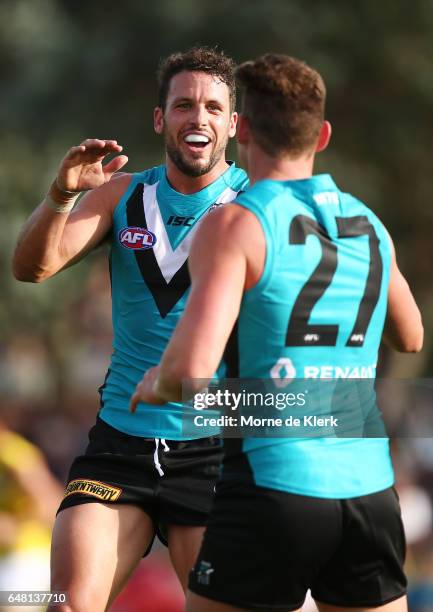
[50, 240]
[403, 325]
[220, 271]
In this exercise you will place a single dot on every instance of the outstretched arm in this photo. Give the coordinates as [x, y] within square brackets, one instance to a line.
[403, 325]
[219, 273]
[54, 237]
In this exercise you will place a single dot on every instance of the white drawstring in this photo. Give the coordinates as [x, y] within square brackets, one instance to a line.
[155, 454]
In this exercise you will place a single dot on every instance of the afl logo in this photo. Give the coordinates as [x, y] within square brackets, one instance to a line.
[136, 238]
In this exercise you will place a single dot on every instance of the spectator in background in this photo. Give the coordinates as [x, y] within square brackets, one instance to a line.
[29, 497]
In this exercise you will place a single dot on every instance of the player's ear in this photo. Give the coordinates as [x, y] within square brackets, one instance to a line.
[324, 136]
[233, 124]
[158, 120]
[243, 130]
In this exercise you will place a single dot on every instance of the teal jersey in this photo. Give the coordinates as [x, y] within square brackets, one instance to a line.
[317, 312]
[153, 226]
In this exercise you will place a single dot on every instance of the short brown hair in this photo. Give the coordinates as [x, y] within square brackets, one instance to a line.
[284, 102]
[197, 59]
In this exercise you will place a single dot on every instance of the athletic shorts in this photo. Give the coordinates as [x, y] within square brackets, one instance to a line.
[263, 549]
[172, 481]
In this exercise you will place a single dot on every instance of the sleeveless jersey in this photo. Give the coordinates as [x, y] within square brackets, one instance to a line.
[153, 226]
[318, 310]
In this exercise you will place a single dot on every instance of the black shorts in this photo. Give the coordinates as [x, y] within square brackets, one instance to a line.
[264, 549]
[172, 481]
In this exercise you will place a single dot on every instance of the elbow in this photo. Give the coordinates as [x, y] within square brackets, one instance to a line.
[22, 274]
[416, 345]
[418, 339]
[412, 344]
[26, 276]
[29, 274]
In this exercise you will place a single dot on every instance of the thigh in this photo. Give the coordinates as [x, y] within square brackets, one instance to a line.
[399, 605]
[186, 491]
[116, 469]
[183, 545]
[367, 569]
[191, 470]
[196, 603]
[262, 547]
[95, 548]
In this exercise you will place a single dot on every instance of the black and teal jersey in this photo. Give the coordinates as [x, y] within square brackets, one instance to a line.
[153, 226]
[317, 312]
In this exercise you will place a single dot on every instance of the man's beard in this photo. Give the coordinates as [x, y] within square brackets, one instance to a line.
[192, 168]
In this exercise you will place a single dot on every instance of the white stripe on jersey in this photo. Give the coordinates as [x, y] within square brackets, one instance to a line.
[169, 259]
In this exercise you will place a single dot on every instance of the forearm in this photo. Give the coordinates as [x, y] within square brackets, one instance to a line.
[173, 386]
[38, 254]
[182, 372]
[197, 345]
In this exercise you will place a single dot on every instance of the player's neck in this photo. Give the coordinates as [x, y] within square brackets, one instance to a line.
[191, 184]
[262, 166]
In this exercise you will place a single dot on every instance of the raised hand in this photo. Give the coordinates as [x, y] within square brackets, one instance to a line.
[81, 169]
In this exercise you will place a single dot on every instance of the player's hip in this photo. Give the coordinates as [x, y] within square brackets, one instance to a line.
[279, 545]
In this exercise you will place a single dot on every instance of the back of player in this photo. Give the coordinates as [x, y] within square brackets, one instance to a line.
[317, 511]
[325, 507]
[318, 311]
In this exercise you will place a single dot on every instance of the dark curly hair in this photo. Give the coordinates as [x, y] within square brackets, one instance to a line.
[284, 102]
[197, 59]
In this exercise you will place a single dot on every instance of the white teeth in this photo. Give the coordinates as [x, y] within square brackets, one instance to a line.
[196, 138]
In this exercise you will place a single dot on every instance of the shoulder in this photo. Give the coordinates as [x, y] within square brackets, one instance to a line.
[119, 183]
[114, 189]
[262, 193]
[231, 216]
[122, 182]
[353, 205]
[228, 226]
[150, 176]
[229, 237]
[105, 197]
[359, 207]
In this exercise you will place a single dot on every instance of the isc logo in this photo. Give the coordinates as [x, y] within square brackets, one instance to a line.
[137, 238]
[175, 220]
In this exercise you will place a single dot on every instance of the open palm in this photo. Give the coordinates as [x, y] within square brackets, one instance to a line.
[82, 168]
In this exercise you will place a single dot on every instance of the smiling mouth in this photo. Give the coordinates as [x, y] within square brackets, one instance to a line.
[196, 142]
